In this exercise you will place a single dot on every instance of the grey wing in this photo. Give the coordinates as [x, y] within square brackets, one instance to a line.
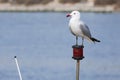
[85, 30]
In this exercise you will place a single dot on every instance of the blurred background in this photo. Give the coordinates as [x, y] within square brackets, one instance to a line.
[60, 5]
[37, 32]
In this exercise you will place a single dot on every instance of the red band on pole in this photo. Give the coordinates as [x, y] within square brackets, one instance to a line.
[78, 52]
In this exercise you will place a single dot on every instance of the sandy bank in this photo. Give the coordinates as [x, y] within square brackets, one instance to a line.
[56, 7]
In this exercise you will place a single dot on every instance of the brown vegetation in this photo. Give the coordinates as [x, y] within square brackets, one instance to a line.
[27, 2]
[3, 1]
[69, 1]
[106, 2]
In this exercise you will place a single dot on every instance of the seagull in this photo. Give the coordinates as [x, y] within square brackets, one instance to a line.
[79, 29]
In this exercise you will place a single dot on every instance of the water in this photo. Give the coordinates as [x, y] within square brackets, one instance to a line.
[42, 43]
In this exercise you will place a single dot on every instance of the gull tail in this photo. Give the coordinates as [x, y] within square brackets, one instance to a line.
[94, 40]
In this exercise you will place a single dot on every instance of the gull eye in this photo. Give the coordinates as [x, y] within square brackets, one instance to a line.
[74, 13]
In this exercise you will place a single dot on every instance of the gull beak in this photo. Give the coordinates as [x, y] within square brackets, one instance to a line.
[68, 15]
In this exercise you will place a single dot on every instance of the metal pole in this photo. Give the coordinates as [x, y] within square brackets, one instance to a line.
[18, 68]
[77, 55]
[77, 69]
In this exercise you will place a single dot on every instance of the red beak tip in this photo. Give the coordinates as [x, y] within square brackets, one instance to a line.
[68, 15]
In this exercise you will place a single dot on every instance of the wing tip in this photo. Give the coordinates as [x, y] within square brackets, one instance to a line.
[95, 40]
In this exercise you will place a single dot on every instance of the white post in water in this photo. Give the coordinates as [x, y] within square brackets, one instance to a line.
[18, 68]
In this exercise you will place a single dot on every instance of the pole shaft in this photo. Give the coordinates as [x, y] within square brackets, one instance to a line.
[77, 69]
[16, 61]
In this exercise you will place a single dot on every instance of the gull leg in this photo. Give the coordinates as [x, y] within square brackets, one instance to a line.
[82, 40]
[76, 40]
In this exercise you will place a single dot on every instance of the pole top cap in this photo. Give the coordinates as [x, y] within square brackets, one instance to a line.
[77, 46]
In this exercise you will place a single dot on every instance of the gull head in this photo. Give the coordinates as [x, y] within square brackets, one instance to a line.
[74, 14]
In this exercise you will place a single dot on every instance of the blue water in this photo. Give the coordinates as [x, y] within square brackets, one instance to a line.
[42, 43]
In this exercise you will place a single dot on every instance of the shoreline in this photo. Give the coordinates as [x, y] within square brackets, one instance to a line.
[55, 7]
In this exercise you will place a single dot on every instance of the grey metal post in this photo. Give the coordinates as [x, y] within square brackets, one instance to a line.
[77, 69]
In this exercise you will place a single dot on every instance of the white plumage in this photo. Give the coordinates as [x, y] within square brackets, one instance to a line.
[79, 28]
